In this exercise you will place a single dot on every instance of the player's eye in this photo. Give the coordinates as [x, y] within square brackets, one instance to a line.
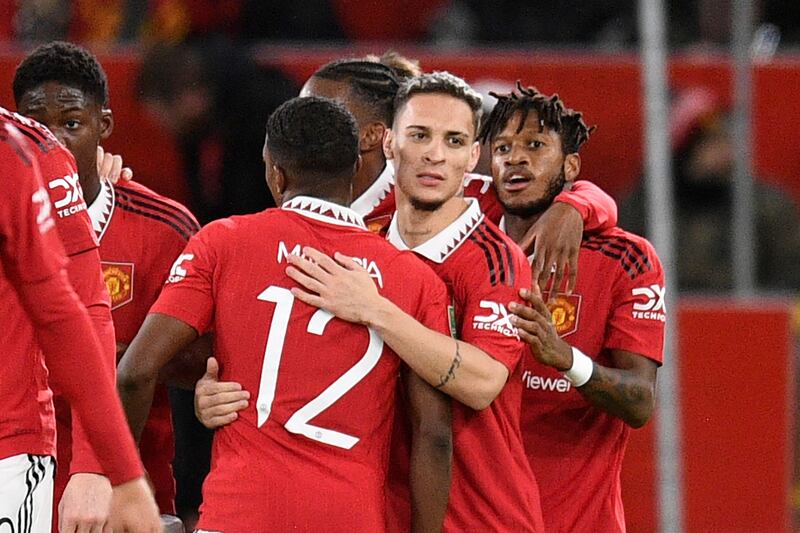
[501, 149]
[418, 135]
[72, 124]
[455, 141]
[536, 144]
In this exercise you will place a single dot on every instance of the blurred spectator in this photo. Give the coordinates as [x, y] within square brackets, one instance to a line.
[703, 165]
[216, 102]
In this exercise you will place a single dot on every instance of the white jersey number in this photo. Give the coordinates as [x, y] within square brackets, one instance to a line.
[298, 423]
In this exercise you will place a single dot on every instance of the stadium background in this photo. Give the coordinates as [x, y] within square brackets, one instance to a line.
[736, 357]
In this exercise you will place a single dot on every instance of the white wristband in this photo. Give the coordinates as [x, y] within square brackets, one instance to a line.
[582, 368]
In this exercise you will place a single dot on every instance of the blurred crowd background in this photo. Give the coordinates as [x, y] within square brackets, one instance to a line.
[193, 81]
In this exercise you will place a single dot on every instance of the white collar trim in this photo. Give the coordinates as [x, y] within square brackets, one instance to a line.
[324, 211]
[102, 208]
[439, 247]
[375, 193]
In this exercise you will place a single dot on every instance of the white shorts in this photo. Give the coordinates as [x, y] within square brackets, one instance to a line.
[26, 493]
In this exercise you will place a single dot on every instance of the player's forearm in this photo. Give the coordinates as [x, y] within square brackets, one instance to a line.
[458, 369]
[622, 393]
[429, 478]
[160, 338]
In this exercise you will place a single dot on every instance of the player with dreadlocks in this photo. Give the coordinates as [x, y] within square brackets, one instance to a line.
[596, 351]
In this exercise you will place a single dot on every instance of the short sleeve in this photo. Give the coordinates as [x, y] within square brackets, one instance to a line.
[597, 208]
[636, 323]
[486, 320]
[434, 311]
[188, 292]
[31, 249]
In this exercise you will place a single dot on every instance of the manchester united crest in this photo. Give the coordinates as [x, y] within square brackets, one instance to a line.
[565, 310]
[119, 282]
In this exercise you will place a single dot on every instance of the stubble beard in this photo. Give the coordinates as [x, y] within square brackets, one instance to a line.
[540, 205]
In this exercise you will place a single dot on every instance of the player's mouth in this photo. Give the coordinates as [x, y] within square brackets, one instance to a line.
[516, 180]
[430, 179]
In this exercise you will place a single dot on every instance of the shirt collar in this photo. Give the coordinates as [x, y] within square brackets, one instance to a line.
[324, 211]
[375, 193]
[439, 247]
[102, 208]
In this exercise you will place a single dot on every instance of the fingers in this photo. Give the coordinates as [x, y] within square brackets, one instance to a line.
[323, 261]
[305, 297]
[311, 268]
[347, 262]
[126, 174]
[573, 270]
[109, 167]
[306, 281]
[212, 369]
[558, 278]
[536, 303]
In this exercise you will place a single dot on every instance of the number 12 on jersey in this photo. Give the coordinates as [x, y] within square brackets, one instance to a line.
[298, 423]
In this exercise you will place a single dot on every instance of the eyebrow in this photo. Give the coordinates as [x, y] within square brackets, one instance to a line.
[448, 133]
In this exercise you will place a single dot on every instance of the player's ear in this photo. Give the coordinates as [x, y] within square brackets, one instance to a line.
[572, 166]
[372, 137]
[106, 123]
[388, 140]
[474, 156]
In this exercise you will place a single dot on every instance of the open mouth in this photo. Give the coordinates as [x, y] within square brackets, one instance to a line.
[516, 181]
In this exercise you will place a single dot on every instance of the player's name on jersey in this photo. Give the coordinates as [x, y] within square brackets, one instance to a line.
[368, 264]
[553, 384]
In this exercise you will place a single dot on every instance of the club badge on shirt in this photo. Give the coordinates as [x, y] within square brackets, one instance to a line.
[119, 282]
[565, 310]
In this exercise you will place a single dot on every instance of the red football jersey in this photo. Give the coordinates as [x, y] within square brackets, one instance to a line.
[493, 487]
[376, 204]
[141, 234]
[33, 280]
[311, 452]
[574, 448]
[30, 252]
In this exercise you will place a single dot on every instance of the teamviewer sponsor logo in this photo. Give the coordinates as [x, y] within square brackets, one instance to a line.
[651, 305]
[534, 382]
[498, 319]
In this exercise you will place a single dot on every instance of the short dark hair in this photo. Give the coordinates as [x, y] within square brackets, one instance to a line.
[374, 83]
[441, 83]
[313, 136]
[65, 63]
[551, 111]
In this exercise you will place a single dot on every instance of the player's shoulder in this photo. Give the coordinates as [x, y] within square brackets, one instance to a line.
[37, 133]
[631, 254]
[493, 257]
[476, 184]
[164, 214]
[14, 147]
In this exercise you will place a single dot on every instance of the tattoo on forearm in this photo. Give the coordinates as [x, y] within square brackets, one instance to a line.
[617, 392]
[451, 372]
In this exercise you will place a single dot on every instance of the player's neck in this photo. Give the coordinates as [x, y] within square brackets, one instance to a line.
[91, 188]
[418, 226]
[372, 166]
[517, 226]
[341, 198]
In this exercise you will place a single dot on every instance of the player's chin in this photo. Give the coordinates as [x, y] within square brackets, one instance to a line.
[428, 202]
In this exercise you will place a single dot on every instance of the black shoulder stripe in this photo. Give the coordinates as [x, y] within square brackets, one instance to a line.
[178, 213]
[501, 242]
[488, 255]
[39, 142]
[627, 254]
[179, 229]
[631, 268]
[501, 269]
[123, 199]
[624, 242]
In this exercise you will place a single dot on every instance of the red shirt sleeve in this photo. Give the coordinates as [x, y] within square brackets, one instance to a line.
[636, 323]
[486, 320]
[597, 208]
[33, 259]
[188, 292]
[433, 309]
